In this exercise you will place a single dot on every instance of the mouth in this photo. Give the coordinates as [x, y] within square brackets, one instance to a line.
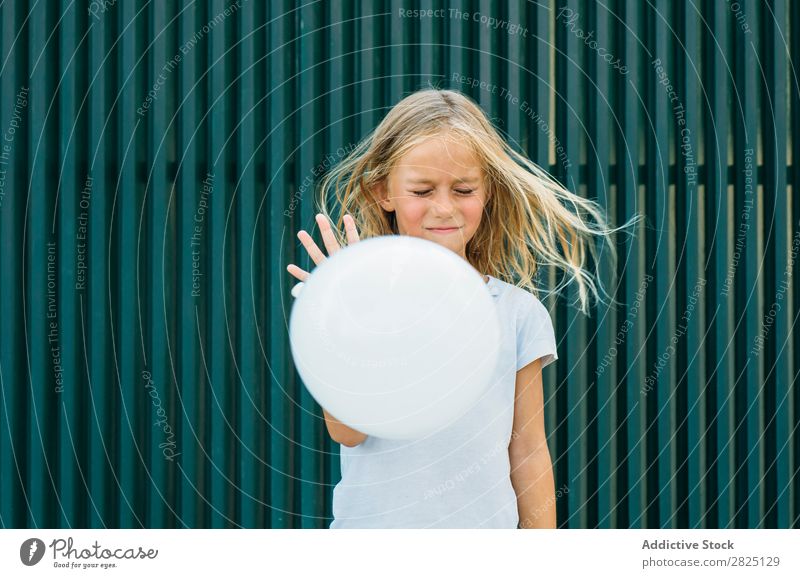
[443, 230]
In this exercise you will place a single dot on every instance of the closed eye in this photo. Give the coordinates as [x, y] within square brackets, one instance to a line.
[460, 191]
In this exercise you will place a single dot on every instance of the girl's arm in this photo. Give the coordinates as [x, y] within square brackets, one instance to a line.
[341, 433]
[531, 466]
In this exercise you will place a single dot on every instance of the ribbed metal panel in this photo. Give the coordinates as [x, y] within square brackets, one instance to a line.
[160, 157]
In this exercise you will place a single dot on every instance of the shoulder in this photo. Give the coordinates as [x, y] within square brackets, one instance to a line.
[523, 301]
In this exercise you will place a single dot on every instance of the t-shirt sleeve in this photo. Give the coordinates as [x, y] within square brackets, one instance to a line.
[535, 335]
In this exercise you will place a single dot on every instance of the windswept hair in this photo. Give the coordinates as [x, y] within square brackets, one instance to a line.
[529, 219]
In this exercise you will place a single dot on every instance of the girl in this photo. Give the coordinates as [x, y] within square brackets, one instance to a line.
[435, 168]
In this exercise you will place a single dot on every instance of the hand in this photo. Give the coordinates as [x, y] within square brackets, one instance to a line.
[329, 240]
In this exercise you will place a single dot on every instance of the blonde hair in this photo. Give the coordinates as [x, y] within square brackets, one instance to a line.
[529, 219]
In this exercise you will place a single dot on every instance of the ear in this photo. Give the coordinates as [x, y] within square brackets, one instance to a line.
[382, 196]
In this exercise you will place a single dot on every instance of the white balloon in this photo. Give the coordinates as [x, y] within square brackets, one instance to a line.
[395, 336]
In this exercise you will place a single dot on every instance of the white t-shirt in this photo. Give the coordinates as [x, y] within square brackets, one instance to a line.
[460, 476]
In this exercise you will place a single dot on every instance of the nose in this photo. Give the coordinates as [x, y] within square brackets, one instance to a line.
[443, 205]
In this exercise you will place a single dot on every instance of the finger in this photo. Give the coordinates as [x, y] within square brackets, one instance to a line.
[297, 272]
[313, 251]
[350, 230]
[331, 244]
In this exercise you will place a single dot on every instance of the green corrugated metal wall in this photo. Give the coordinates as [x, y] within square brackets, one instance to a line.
[156, 163]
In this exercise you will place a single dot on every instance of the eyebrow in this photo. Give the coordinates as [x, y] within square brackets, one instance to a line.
[428, 181]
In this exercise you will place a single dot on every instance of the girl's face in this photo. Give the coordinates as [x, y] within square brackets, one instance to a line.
[436, 191]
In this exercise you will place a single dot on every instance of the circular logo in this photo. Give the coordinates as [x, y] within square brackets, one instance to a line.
[31, 551]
